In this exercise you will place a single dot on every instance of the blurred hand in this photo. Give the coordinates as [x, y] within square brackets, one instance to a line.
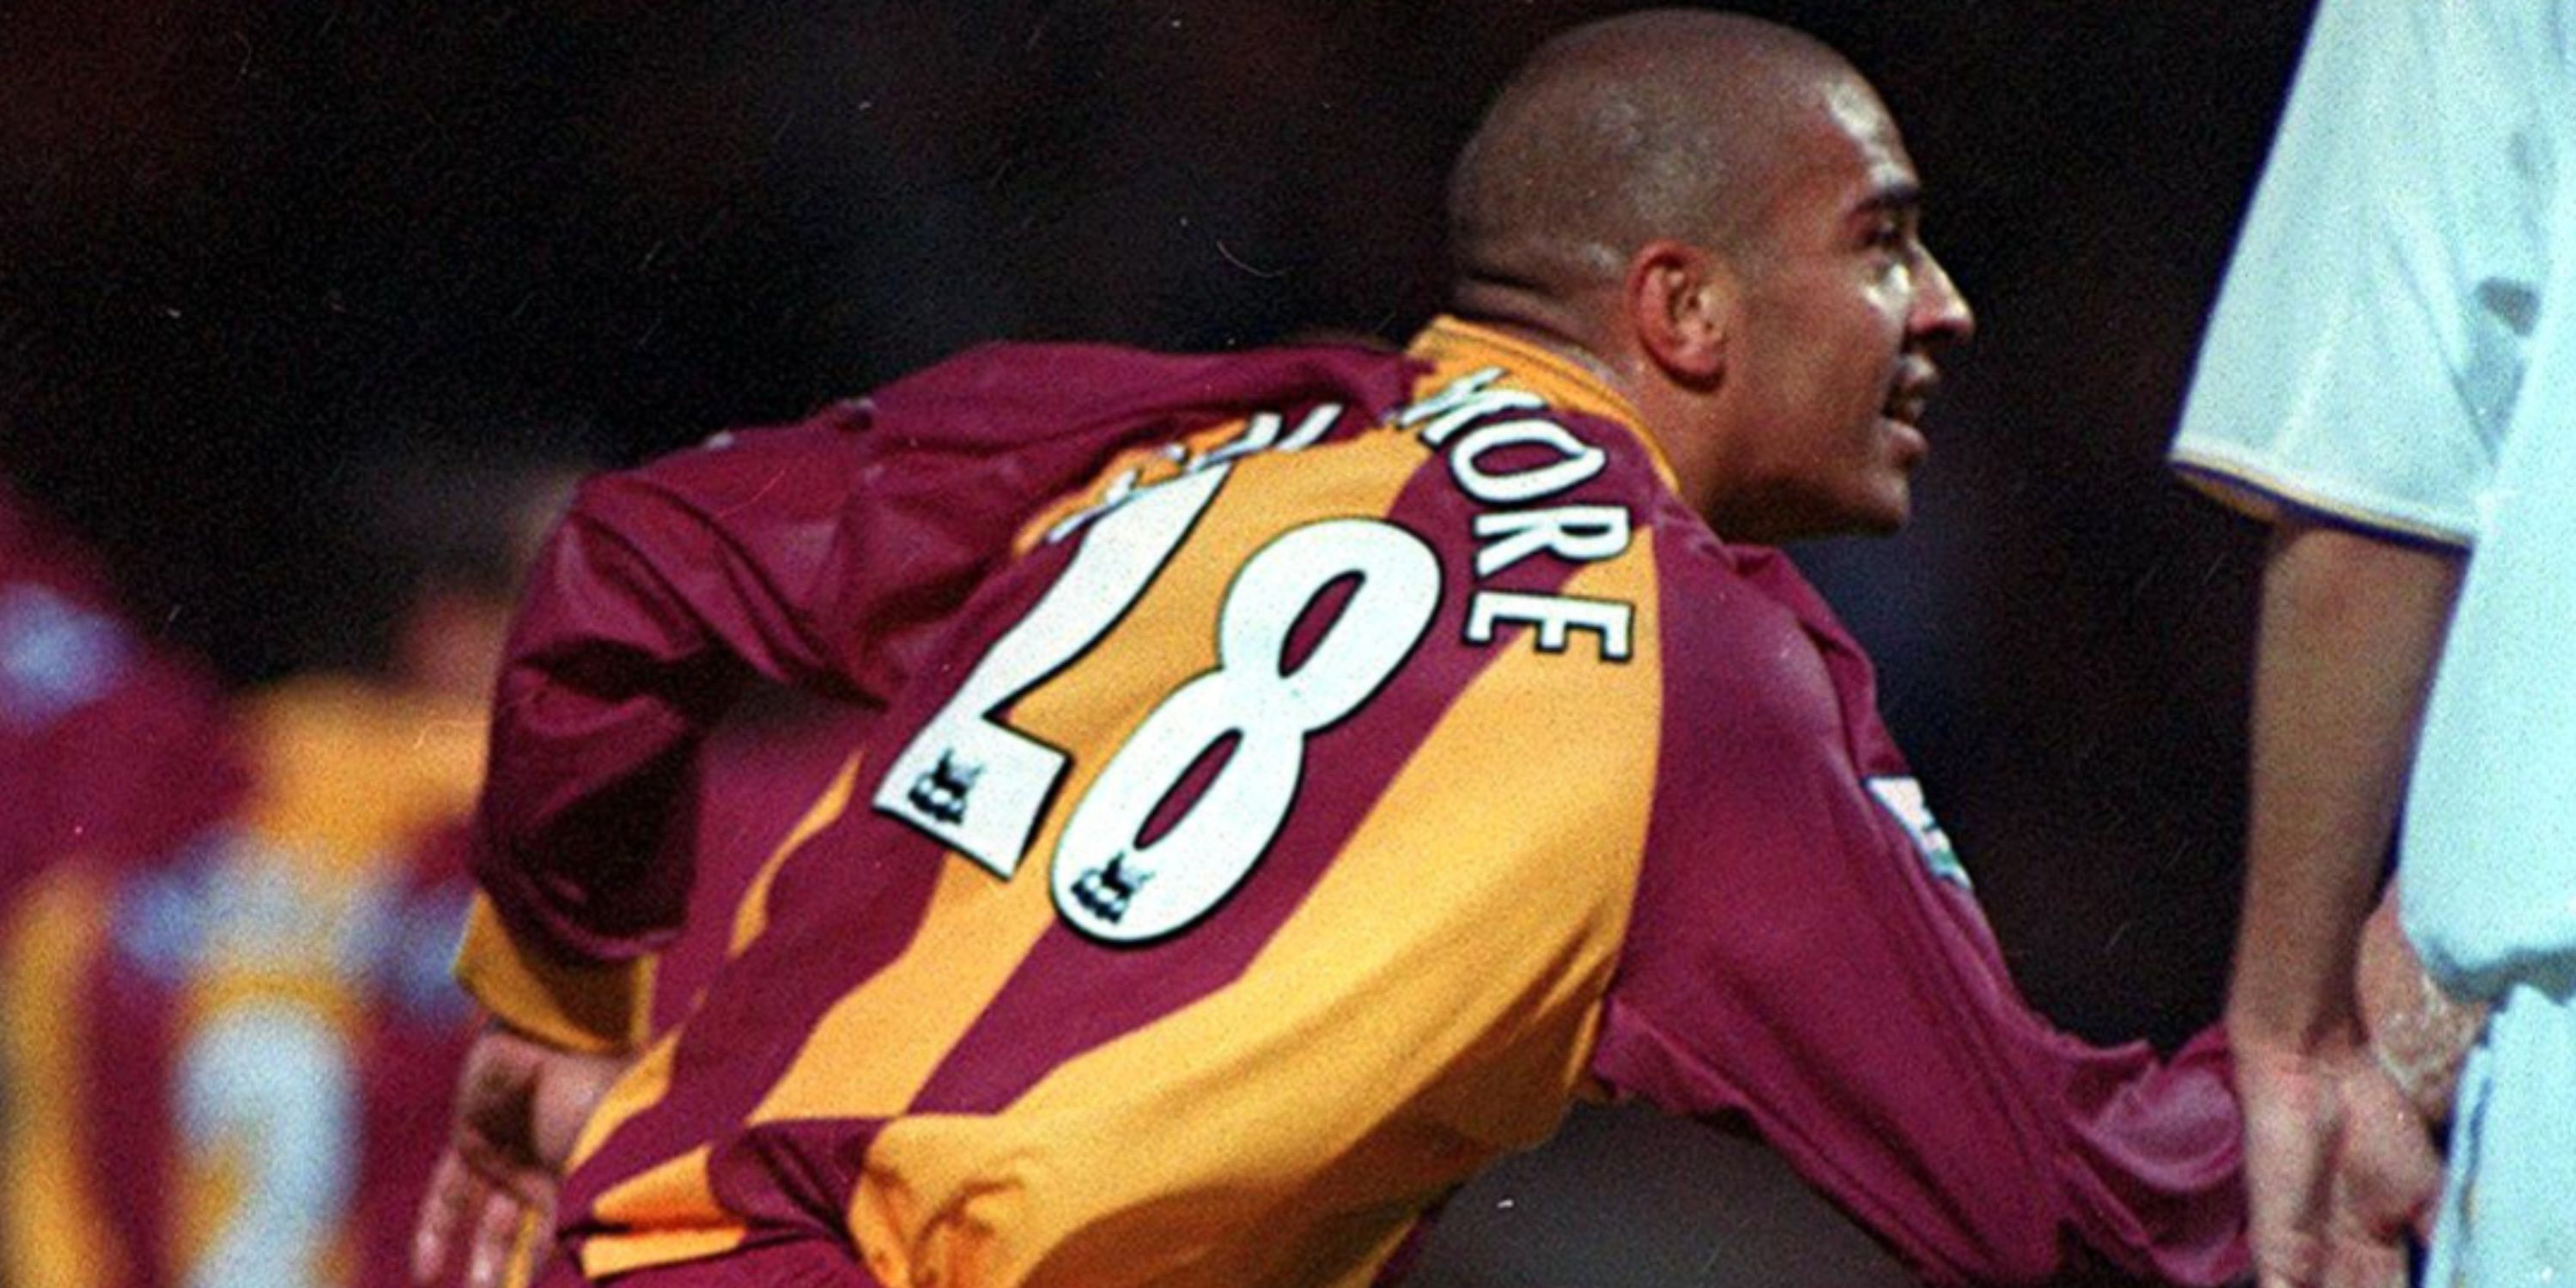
[520, 1104]
[2420, 1034]
[2339, 1167]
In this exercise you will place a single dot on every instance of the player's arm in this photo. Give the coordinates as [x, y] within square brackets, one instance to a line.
[2352, 625]
[1888, 1059]
[520, 1104]
[660, 594]
[827, 556]
[1801, 966]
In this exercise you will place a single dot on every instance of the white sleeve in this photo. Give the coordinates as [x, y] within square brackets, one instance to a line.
[2371, 333]
[2489, 866]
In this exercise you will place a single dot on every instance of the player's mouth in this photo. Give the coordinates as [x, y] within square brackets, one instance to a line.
[1906, 400]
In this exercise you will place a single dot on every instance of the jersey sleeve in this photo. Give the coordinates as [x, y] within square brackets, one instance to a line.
[660, 593]
[2373, 326]
[1806, 963]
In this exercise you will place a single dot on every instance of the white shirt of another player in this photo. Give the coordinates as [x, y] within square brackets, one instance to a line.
[2367, 351]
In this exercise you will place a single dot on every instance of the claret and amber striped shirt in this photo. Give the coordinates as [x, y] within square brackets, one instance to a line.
[1303, 772]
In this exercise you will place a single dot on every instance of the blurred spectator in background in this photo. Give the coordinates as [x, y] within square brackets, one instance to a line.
[113, 750]
[112, 745]
[225, 1057]
[2391, 378]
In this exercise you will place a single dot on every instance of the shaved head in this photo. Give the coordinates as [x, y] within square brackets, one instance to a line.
[1716, 217]
[1665, 123]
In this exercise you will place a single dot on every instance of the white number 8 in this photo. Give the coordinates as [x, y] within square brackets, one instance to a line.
[980, 786]
[1110, 886]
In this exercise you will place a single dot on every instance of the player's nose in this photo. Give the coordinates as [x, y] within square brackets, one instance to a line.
[1941, 313]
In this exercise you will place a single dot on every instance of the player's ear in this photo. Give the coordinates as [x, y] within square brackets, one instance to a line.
[1680, 302]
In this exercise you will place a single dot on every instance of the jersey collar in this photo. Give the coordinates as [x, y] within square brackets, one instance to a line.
[1455, 347]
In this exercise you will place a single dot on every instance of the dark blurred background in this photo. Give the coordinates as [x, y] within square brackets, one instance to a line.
[248, 247]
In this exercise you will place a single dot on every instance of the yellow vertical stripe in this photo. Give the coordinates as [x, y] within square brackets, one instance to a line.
[54, 1229]
[644, 1085]
[878, 1044]
[1467, 933]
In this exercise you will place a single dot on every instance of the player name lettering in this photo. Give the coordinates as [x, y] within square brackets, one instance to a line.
[1266, 431]
[1499, 460]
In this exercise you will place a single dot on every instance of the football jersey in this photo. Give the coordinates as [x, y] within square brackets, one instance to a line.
[1303, 773]
[229, 1064]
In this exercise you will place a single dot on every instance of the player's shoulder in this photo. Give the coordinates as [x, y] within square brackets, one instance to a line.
[1759, 642]
[1009, 395]
[786, 469]
[1754, 590]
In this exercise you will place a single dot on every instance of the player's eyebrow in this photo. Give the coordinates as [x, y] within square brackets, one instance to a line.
[1896, 200]
[1900, 196]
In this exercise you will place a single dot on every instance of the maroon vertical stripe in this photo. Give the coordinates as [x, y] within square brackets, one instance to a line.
[130, 1023]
